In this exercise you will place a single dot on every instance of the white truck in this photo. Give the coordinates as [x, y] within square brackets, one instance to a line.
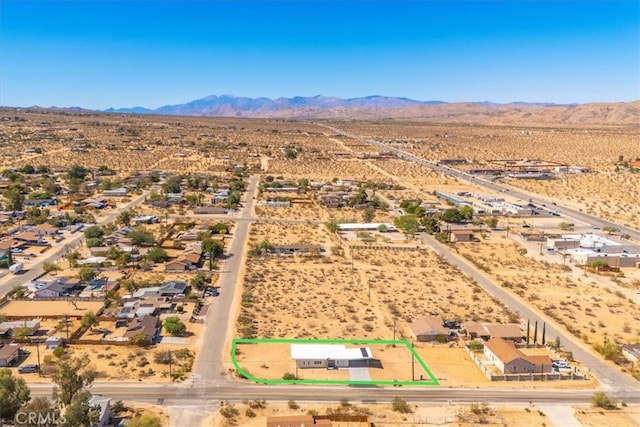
[16, 268]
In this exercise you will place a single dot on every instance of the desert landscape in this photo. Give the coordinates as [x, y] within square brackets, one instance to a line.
[343, 285]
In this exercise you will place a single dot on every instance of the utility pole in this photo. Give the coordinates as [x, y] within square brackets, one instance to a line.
[395, 321]
[170, 362]
[413, 364]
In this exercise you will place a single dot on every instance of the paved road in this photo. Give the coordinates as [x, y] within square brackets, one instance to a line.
[220, 318]
[59, 250]
[172, 395]
[243, 218]
[536, 199]
[612, 379]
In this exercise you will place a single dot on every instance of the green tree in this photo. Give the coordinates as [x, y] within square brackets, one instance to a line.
[93, 232]
[219, 228]
[157, 254]
[80, 412]
[71, 376]
[368, 214]
[467, 212]
[140, 237]
[535, 333]
[46, 413]
[599, 264]
[14, 393]
[407, 223]
[200, 280]
[89, 320]
[14, 199]
[174, 326]
[214, 248]
[430, 224]
[332, 225]
[452, 215]
[492, 222]
[50, 267]
[94, 242]
[609, 350]
[86, 273]
[125, 217]
[609, 230]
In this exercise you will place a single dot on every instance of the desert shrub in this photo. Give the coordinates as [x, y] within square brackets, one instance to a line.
[400, 405]
[293, 405]
[601, 400]
[229, 411]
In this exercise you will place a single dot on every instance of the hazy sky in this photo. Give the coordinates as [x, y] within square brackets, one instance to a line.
[99, 54]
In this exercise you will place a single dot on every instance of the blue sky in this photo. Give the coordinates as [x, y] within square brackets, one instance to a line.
[99, 54]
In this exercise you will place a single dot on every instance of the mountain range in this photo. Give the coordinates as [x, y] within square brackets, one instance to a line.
[229, 105]
[396, 108]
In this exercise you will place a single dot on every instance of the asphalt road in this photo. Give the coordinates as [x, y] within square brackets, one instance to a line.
[614, 381]
[57, 251]
[535, 199]
[183, 395]
[220, 321]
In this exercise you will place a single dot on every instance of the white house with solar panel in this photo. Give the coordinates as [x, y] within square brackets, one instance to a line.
[331, 356]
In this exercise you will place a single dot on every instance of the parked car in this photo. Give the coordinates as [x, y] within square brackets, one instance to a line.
[28, 369]
[215, 292]
[560, 364]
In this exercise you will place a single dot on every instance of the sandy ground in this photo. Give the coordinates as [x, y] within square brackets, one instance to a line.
[49, 308]
[588, 311]
[431, 415]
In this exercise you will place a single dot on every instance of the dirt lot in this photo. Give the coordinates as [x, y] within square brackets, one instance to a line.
[49, 308]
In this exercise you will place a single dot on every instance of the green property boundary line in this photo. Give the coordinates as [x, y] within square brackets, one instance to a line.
[432, 381]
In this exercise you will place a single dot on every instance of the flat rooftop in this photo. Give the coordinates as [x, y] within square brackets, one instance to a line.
[329, 351]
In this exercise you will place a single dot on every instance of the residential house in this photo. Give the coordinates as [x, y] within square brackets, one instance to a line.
[145, 219]
[429, 328]
[146, 325]
[331, 356]
[104, 403]
[508, 331]
[40, 203]
[631, 351]
[118, 192]
[210, 210]
[510, 360]
[221, 195]
[7, 328]
[8, 354]
[461, 236]
[45, 229]
[29, 237]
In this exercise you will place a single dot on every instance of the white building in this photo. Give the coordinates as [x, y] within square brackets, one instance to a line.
[366, 226]
[329, 356]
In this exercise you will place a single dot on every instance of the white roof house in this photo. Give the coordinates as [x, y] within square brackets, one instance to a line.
[365, 226]
[331, 356]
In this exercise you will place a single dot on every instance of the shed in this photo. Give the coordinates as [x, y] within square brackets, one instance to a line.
[52, 343]
[8, 354]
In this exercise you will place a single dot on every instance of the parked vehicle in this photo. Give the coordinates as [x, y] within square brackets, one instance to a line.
[560, 364]
[16, 268]
[215, 292]
[28, 369]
